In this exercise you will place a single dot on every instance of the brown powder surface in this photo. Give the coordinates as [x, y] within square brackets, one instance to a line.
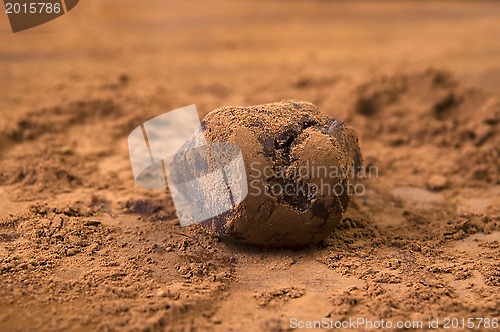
[82, 248]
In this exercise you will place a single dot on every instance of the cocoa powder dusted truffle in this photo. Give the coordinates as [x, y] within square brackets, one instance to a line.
[300, 167]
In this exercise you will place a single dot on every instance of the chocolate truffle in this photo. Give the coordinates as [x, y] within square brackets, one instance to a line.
[301, 166]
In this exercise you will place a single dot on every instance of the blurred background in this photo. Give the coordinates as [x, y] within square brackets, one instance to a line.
[183, 48]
